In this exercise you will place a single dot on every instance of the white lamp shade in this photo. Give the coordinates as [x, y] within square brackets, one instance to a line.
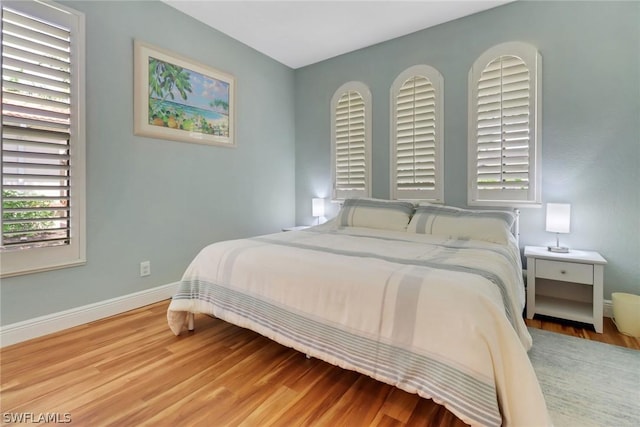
[558, 217]
[317, 207]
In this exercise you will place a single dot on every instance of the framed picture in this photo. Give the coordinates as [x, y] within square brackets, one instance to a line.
[180, 99]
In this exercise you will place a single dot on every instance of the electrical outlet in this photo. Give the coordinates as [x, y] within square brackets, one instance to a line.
[145, 268]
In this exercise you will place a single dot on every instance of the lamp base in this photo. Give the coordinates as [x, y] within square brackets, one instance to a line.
[558, 249]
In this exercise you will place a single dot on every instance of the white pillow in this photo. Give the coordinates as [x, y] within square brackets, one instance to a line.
[456, 223]
[375, 213]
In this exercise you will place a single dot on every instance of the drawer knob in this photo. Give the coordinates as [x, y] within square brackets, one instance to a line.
[563, 272]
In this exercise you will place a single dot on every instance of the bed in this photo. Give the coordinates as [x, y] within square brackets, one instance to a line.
[427, 298]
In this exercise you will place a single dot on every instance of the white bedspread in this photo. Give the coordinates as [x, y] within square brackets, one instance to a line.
[436, 317]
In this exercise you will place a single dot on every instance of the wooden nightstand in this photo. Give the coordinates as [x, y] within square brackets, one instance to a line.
[566, 286]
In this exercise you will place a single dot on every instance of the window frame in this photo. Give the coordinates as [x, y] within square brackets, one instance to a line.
[533, 60]
[337, 193]
[37, 259]
[435, 195]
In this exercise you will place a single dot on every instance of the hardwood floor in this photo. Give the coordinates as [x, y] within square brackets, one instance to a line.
[130, 370]
[610, 333]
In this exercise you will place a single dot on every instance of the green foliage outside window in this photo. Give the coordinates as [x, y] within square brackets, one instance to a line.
[24, 216]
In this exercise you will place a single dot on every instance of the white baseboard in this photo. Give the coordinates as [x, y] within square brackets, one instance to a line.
[607, 308]
[50, 323]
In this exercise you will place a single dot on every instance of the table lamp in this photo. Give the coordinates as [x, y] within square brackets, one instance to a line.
[558, 221]
[317, 208]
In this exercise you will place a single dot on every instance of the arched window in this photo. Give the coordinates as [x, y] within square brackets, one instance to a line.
[417, 135]
[351, 141]
[504, 138]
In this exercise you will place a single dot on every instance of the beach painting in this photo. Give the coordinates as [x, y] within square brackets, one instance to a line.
[179, 99]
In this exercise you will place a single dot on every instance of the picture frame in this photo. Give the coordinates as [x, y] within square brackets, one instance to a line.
[179, 99]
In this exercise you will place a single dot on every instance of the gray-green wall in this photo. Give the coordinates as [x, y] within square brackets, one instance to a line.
[161, 200]
[590, 117]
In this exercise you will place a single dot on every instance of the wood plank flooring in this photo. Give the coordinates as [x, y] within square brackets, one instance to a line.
[610, 333]
[130, 370]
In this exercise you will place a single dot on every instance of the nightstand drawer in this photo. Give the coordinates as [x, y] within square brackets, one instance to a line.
[564, 271]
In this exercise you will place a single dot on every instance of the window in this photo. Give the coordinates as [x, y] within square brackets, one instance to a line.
[504, 127]
[351, 141]
[417, 135]
[42, 137]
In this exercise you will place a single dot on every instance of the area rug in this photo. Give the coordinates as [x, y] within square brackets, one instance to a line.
[587, 383]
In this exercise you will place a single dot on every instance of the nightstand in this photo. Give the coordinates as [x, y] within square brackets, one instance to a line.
[565, 285]
[296, 228]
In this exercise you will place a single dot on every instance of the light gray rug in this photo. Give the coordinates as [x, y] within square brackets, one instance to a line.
[587, 383]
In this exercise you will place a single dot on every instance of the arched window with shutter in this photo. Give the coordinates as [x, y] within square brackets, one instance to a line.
[351, 141]
[504, 119]
[417, 135]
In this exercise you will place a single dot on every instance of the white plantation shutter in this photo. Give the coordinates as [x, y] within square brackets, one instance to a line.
[416, 97]
[42, 147]
[351, 128]
[350, 142]
[503, 125]
[504, 166]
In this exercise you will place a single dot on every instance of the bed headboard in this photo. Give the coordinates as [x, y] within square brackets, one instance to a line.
[515, 228]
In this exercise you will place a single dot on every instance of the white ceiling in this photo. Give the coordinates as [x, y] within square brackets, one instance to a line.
[303, 32]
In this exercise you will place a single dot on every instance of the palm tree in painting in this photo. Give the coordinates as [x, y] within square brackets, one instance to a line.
[219, 104]
[164, 80]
